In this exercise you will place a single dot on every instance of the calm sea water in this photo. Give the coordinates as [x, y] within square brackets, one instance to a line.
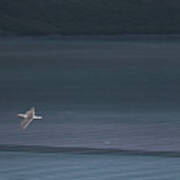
[108, 94]
[21, 165]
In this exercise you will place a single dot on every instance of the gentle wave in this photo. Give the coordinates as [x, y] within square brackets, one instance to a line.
[85, 150]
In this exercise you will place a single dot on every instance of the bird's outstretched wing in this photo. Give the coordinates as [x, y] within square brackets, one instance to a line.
[30, 113]
[26, 122]
[28, 119]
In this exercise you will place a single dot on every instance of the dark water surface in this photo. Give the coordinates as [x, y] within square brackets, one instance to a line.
[107, 94]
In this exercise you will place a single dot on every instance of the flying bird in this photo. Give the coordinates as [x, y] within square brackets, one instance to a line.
[28, 117]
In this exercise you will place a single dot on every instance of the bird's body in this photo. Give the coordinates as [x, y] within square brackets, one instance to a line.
[28, 117]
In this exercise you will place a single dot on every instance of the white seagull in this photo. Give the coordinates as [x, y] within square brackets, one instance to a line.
[28, 117]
